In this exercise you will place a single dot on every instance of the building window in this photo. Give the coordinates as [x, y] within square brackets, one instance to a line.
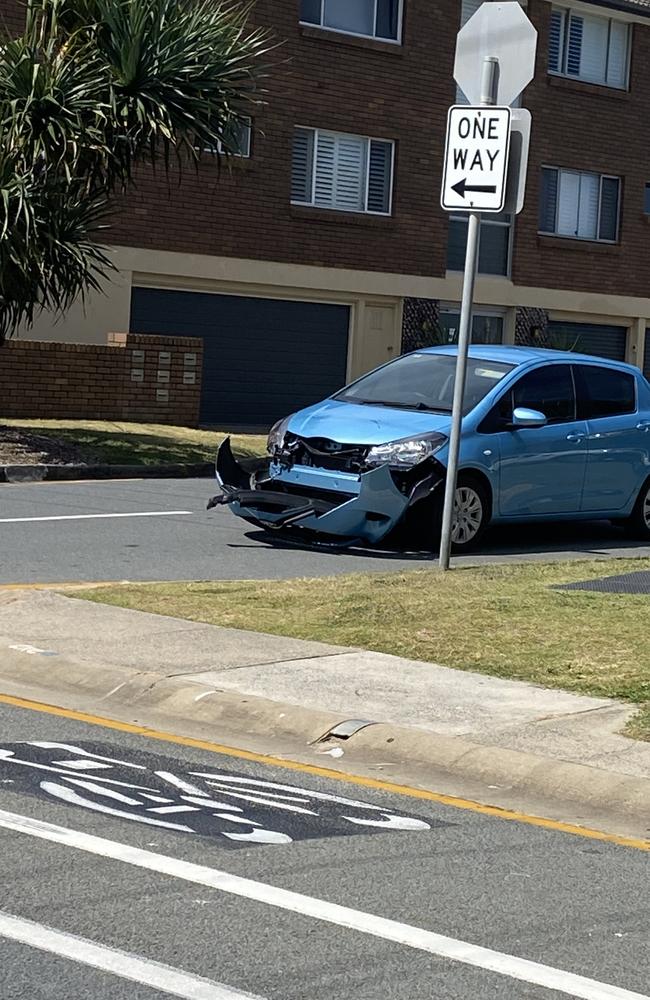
[494, 244]
[370, 18]
[487, 326]
[646, 200]
[236, 139]
[350, 173]
[581, 205]
[594, 49]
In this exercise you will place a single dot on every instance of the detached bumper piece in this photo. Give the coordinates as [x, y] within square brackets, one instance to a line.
[337, 506]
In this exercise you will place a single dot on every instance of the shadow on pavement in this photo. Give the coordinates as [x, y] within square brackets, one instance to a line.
[508, 541]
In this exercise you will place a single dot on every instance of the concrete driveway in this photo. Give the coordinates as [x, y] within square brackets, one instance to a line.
[160, 530]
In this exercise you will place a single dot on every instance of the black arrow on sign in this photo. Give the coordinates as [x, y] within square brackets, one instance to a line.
[462, 186]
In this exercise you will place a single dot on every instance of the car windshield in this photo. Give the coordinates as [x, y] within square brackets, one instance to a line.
[425, 382]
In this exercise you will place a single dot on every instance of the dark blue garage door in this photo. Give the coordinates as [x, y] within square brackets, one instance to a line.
[263, 358]
[587, 338]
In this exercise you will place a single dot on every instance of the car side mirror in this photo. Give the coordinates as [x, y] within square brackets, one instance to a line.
[523, 417]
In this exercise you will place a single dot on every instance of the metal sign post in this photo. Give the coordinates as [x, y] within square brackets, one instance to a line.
[485, 168]
[489, 84]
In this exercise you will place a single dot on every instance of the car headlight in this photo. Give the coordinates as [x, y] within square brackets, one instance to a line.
[276, 435]
[406, 453]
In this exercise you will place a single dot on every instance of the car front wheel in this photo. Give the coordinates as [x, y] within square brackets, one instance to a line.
[471, 514]
[638, 524]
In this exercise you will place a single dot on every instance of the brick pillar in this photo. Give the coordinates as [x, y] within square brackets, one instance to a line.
[421, 324]
[531, 327]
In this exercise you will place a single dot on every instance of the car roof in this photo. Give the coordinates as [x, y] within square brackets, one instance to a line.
[514, 355]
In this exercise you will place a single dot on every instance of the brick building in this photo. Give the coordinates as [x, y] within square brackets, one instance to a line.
[322, 251]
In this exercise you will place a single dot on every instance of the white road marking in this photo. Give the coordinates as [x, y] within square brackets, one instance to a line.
[94, 517]
[520, 969]
[68, 795]
[124, 964]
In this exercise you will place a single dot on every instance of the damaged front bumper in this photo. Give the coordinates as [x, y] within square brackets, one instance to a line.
[340, 505]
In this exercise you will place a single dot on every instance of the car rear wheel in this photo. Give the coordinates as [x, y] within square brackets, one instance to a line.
[471, 514]
[638, 524]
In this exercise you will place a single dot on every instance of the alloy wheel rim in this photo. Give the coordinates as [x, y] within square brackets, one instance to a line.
[468, 515]
[646, 509]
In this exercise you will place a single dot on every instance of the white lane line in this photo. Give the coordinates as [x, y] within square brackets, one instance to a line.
[94, 517]
[309, 906]
[119, 963]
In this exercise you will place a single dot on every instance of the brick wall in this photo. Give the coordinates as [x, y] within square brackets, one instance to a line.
[146, 379]
[332, 81]
[400, 92]
[587, 127]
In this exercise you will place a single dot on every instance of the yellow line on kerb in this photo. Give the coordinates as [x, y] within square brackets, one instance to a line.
[324, 772]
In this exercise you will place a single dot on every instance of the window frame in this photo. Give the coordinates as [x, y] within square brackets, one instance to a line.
[495, 423]
[601, 177]
[579, 380]
[360, 34]
[490, 312]
[366, 178]
[222, 151]
[568, 11]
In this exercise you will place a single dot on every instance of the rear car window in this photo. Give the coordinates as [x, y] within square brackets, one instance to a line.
[604, 392]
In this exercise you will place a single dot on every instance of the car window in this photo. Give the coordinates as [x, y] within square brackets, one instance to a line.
[604, 392]
[424, 381]
[549, 390]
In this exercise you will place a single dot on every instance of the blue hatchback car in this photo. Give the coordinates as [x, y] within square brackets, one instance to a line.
[546, 436]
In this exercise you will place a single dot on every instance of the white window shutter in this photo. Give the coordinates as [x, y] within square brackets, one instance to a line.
[351, 167]
[593, 57]
[588, 206]
[618, 49]
[568, 198]
[325, 162]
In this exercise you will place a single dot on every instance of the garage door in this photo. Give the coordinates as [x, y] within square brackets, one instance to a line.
[263, 358]
[603, 341]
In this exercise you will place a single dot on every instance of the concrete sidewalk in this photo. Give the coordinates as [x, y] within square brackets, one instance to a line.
[116, 660]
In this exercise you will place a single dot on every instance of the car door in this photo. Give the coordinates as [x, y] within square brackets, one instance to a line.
[542, 469]
[618, 438]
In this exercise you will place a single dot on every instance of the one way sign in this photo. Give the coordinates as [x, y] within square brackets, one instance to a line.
[476, 159]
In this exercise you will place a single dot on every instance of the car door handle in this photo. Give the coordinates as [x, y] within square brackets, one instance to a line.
[575, 436]
[643, 425]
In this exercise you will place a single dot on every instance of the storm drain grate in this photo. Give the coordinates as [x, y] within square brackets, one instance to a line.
[626, 583]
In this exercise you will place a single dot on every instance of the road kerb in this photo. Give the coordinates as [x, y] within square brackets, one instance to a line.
[187, 707]
[66, 473]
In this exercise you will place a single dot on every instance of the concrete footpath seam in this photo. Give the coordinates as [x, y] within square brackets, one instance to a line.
[63, 473]
[132, 696]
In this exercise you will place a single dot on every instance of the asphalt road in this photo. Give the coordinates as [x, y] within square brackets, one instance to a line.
[120, 880]
[160, 530]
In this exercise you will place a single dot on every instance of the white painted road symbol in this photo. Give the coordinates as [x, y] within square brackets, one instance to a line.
[151, 790]
[476, 159]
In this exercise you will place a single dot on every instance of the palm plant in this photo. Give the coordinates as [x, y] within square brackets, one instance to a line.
[91, 90]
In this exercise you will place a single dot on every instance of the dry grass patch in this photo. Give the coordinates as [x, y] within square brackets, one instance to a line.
[101, 441]
[505, 620]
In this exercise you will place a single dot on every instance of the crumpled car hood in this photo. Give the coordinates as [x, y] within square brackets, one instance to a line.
[354, 423]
